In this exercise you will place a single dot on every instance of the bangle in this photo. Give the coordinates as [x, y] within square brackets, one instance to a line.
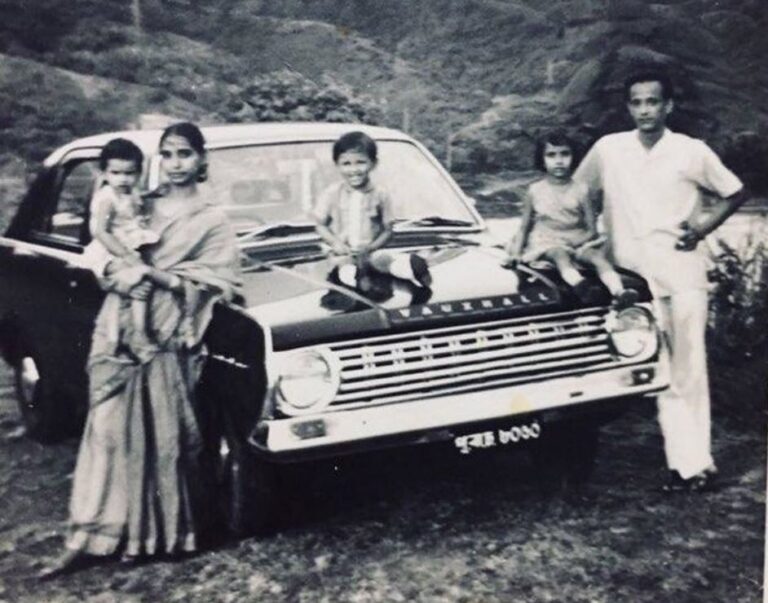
[176, 282]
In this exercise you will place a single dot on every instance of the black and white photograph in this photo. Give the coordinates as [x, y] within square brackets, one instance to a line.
[368, 301]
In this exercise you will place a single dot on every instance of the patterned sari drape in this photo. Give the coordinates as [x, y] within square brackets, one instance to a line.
[135, 474]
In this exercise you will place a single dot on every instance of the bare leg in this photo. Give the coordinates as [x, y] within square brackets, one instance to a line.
[411, 267]
[381, 261]
[584, 290]
[565, 267]
[139, 317]
[610, 278]
[348, 270]
[605, 270]
[363, 268]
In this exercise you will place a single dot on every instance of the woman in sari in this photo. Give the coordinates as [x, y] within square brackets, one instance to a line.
[137, 465]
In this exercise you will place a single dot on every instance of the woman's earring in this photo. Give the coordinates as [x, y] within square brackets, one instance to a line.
[202, 173]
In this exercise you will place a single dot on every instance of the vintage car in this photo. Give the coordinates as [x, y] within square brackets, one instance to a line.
[306, 366]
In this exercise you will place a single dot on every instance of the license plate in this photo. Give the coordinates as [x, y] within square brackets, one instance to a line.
[498, 437]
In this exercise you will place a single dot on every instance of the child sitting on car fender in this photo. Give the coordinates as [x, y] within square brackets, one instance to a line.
[355, 218]
[559, 224]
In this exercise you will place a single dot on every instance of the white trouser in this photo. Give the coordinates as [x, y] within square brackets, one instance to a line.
[684, 412]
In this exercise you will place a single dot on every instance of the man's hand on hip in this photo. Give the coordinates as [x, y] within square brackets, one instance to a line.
[689, 240]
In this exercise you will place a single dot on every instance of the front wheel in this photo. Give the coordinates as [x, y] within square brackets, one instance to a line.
[566, 455]
[248, 491]
[46, 416]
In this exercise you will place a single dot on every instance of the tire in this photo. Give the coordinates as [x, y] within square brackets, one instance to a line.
[46, 415]
[565, 456]
[248, 492]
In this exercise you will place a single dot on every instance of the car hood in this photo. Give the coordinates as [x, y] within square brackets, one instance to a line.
[306, 302]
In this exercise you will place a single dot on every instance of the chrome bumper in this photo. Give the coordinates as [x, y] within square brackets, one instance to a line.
[313, 435]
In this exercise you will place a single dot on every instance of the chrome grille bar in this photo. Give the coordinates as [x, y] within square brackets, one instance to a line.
[498, 336]
[433, 362]
[507, 352]
[474, 386]
[451, 376]
[593, 315]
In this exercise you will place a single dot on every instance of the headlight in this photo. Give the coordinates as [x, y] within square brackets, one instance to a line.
[632, 332]
[307, 381]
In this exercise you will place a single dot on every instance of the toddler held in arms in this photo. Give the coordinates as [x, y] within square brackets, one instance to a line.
[119, 224]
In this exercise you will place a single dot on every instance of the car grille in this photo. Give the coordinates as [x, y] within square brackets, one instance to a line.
[479, 356]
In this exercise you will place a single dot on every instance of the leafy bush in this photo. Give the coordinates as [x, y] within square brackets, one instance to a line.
[289, 96]
[738, 309]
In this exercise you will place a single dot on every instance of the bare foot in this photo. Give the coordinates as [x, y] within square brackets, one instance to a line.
[67, 562]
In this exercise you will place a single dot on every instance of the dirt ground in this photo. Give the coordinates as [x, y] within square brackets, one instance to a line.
[428, 524]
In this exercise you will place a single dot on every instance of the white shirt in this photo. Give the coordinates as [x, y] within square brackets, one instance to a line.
[357, 217]
[647, 193]
[355, 227]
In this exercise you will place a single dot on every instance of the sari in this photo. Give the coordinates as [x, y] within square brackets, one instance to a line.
[140, 452]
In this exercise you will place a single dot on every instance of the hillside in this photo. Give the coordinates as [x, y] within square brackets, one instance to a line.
[515, 68]
[477, 80]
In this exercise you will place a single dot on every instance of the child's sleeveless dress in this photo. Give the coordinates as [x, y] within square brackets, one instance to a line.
[558, 217]
[126, 222]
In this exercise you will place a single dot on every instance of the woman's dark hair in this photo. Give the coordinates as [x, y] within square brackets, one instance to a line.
[192, 134]
[355, 141]
[556, 138]
[650, 75]
[120, 148]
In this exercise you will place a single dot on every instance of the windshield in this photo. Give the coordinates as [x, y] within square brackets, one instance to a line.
[277, 184]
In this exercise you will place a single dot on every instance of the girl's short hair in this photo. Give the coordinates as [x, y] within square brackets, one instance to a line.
[120, 148]
[355, 141]
[192, 134]
[556, 138]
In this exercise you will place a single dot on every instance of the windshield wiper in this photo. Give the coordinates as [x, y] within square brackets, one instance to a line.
[436, 221]
[270, 231]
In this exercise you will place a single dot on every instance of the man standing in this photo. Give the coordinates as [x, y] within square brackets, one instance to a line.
[651, 179]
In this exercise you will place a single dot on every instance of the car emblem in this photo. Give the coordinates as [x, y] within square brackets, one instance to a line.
[482, 339]
[425, 345]
[367, 357]
[536, 295]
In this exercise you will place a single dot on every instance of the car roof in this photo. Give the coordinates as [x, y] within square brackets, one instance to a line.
[235, 134]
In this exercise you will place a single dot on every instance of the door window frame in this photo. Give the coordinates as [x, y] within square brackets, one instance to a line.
[65, 167]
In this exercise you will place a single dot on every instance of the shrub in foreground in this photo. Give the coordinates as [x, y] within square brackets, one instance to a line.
[738, 310]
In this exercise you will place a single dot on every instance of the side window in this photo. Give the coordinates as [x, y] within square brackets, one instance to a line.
[68, 222]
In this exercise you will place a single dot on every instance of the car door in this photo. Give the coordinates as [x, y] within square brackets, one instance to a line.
[52, 296]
